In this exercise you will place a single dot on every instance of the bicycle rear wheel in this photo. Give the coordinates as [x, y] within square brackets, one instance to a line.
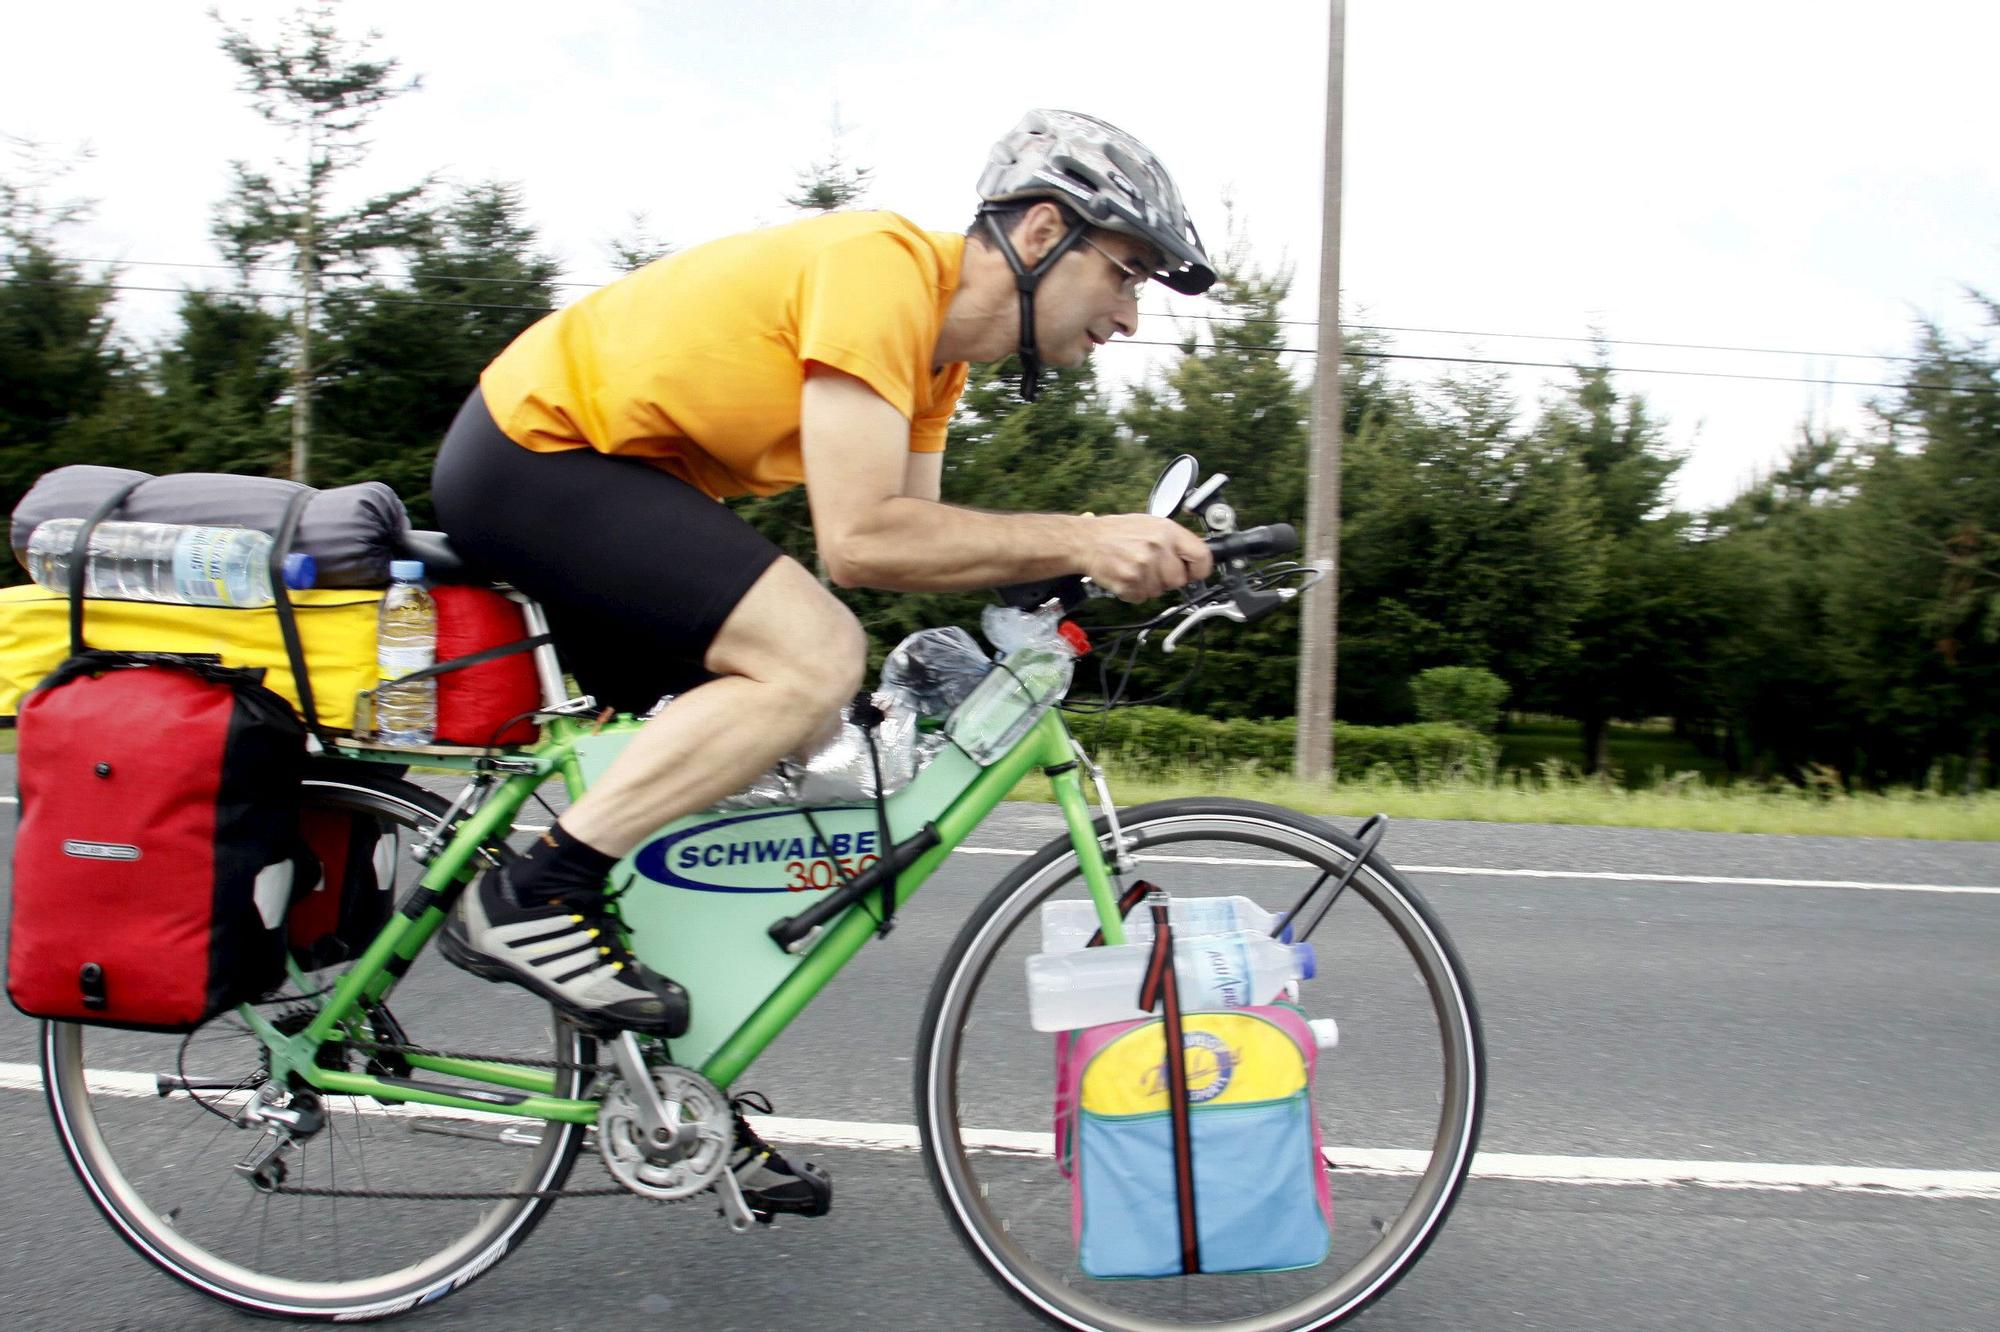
[161, 1162]
[1398, 1101]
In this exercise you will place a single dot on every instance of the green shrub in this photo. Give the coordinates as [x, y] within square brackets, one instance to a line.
[1159, 739]
[1468, 696]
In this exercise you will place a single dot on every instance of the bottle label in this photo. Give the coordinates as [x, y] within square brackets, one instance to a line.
[201, 566]
[1221, 972]
[393, 663]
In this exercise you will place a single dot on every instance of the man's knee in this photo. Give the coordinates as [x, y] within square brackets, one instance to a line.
[791, 633]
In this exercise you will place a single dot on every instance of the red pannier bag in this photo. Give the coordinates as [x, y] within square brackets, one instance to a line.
[475, 702]
[352, 885]
[158, 844]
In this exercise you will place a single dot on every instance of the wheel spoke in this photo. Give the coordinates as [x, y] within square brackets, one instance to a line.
[163, 1169]
[1404, 1083]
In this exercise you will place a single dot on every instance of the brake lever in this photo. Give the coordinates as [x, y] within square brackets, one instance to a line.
[1227, 610]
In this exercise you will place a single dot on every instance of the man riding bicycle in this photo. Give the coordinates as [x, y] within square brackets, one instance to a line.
[586, 468]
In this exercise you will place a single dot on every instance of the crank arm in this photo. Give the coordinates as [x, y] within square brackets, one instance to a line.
[659, 1118]
[735, 1210]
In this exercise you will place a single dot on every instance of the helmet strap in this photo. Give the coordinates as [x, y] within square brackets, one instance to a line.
[1025, 281]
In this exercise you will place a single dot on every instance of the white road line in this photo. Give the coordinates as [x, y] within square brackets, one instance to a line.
[1479, 872]
[1605, 876]
[1880, 1181]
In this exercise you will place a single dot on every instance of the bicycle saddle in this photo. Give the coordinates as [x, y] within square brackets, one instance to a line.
[442, 563]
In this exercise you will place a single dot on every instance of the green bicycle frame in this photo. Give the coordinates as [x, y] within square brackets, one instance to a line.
[530, 1091]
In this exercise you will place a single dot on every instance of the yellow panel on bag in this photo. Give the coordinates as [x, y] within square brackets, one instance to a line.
[336, 630]
[1232, 1058]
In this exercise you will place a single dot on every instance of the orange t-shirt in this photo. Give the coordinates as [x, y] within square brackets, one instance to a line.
[695, 362]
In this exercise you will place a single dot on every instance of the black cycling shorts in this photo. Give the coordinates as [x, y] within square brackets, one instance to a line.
[636, 568]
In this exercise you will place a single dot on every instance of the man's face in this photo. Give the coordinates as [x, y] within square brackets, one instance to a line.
[1091, 294]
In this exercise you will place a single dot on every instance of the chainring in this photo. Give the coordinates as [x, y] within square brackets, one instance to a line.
[666, 1175]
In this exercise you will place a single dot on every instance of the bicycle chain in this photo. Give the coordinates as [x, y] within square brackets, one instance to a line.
[443, 1195]
[411, 1195]
[363, 1043]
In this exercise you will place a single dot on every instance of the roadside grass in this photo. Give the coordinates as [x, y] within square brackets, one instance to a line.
[1552, 796]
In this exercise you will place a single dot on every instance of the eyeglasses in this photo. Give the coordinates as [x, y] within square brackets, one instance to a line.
[1135, 278]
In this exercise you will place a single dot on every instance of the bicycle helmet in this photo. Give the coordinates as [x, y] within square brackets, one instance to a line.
[1108, 179]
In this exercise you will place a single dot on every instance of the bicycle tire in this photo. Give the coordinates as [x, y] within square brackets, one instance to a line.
[145, 1164]
[969, 1192]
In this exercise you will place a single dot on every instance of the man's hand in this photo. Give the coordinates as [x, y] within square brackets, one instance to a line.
[1138, 557]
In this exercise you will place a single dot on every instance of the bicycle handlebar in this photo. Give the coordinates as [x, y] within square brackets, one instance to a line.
[1255, 543]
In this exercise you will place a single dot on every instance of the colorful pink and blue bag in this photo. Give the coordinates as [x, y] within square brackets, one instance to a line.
[1243, 1189]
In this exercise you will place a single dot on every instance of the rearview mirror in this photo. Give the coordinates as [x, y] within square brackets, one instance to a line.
[1172, 487]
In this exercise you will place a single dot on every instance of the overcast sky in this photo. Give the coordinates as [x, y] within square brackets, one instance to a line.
[1816, 178]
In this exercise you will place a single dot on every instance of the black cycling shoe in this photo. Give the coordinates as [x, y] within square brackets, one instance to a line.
[769, 1182]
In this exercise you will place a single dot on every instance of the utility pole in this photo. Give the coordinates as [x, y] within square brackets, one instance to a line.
[1319, 625]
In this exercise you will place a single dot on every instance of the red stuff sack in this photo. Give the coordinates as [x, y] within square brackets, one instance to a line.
[474, 702]
[158, 843]
[353, 881]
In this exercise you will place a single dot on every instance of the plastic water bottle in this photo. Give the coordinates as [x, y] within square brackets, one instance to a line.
[995, 716]
[1068, 925]
[173, 563]
[406, 640]
[1216, 971]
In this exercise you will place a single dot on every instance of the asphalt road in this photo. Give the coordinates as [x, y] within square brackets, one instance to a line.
[1657, 1019]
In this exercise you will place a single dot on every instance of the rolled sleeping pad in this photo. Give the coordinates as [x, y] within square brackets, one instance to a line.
[352, 532]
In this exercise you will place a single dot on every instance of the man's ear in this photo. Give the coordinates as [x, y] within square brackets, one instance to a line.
[1040, 228]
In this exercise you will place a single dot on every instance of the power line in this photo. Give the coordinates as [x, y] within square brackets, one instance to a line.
[1354, 353]
[282, 268]
[1367, 355]
[283, 295]
[1170, 314]
[1561, 337]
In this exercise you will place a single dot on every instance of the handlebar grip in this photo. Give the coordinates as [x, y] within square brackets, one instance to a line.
[1255, 543]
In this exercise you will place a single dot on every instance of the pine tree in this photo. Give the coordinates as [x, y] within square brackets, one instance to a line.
[834, 183]
[1639, 641]
[401, 355]
[1231, 401]
[59, 362]
[321, 90]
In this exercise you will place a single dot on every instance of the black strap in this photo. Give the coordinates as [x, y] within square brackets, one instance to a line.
[288, 620]
[1133, 896]
[207, 665]
[79, 559]
[1161, 989]
[863, 712]
[479, 658]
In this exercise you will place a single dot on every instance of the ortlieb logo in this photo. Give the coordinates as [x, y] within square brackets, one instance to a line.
[100, 850]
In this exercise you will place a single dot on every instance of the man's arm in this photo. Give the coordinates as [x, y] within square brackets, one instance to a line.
[873, 533]
[923, 476]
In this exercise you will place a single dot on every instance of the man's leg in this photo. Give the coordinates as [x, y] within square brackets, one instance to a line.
[787, 658]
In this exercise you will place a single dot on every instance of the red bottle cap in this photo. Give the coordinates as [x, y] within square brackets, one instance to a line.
[1073, 634]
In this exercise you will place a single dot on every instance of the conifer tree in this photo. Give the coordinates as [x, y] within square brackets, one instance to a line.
[322, 90]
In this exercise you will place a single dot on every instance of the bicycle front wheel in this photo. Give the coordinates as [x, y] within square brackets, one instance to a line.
[384, 1206]
[1397, 1101]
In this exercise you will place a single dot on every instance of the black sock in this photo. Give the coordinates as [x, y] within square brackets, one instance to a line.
[556, 866]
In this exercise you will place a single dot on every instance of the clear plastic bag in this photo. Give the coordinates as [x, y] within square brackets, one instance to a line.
[841, 772]
[935, 670]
